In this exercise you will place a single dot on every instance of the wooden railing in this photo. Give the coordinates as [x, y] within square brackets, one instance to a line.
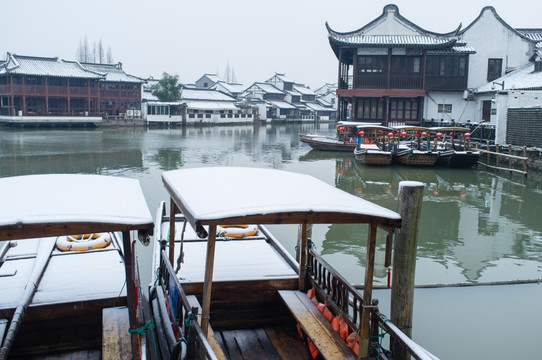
[182, 313]
[342, 298]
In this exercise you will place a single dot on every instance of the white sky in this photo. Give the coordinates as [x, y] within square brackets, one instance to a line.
[257, 38]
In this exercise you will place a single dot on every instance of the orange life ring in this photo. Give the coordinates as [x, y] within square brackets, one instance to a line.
[237, 231]
[83, 242]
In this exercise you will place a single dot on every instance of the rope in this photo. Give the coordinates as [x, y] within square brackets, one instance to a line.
[141, 330]
[180, 259]
[378, 344]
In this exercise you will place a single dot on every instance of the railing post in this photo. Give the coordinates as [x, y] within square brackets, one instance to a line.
[404, 262]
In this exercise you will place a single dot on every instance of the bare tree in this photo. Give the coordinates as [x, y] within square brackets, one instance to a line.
[100, 52]
[109, 55]
[85, 50]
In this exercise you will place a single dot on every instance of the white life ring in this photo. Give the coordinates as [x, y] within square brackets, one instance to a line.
[236, 231]
[83, 242]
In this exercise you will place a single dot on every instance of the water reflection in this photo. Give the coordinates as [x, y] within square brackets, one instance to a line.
[471, 220]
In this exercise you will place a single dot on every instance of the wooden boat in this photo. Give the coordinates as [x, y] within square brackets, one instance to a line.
[454, 153]
[247, 297]
[410, 149]
[345, 139]
[78, 302]
[373, 148]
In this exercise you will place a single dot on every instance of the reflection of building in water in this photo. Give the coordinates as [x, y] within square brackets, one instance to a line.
[469, 219]
[88, 163]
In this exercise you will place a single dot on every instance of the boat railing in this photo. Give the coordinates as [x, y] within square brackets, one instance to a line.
[183, 314]
[343, 298]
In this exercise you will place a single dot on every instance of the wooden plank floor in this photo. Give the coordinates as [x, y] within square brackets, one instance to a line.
[273, 343]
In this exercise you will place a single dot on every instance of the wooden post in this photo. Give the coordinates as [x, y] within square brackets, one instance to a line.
[525, 161]
[208, 281]
[488, 151]
[303, 257]
[497, 156]
[404, 262]
[367, 292]
[129, 266]
[171, 237]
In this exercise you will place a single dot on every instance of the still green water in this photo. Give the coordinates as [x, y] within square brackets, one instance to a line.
[477, 226]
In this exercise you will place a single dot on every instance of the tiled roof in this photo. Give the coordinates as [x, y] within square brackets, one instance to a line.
[523, 78]
[453, 50]
[204, 94]
[392, 40]
[268, 88]
[41, 66]
[113, 72]
[232, 88]
[533, 34]
[304, 90]
[282, 104]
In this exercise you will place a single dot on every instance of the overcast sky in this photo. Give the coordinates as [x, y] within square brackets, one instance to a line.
[257, 38]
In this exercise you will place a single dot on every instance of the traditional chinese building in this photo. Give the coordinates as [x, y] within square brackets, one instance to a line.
[390, 68]
[120, 93]
[39, 86]
[51, 90]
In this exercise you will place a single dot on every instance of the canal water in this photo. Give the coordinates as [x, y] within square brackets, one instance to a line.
[477, 226]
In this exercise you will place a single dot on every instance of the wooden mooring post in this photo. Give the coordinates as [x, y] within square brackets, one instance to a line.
[404, 262]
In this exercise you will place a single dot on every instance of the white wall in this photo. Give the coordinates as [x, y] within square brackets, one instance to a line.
[491, 39]
[461, 110]
[513, 98]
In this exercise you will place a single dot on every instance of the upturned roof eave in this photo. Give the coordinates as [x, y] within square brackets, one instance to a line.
[445, 45]
[400, 17]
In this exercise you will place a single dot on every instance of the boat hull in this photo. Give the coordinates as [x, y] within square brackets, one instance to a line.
[373, 157]
[416, 158]
[458, 159]
[326, 143]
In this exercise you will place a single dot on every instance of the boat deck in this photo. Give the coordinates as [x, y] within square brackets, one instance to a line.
[276, 342]
[62, 281]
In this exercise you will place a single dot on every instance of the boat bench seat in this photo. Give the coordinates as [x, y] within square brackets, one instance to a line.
[315, 326]
[193, 301]
[116, 340]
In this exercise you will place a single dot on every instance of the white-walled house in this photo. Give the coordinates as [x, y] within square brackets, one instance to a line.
[206, 81]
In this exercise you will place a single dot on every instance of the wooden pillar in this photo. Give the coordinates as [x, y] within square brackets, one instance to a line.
[302, 254]
[367, 292]
[208, 281]
[404, 262]
[171, 238]
[12, 96]
[131, 287]
[46, 96]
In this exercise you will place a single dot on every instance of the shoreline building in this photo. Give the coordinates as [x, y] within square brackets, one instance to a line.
[391, 68]
[44, 90]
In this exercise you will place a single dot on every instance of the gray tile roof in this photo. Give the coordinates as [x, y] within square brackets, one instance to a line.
[204, 94]
[41, 66]
[112, 72]
[392, 40]
[523, 78]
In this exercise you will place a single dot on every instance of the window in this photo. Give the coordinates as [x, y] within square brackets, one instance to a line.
[494, 69]
[372, 64]
[538, 66]
[446, 66]
[405, 64]
[445, 108]
[404, 109]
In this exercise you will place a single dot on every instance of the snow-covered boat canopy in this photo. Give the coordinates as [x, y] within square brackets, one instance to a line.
[237, 195]
[450, 129]
[61, 204]
[375, 127]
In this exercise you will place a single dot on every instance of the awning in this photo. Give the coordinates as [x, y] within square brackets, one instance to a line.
[282, 105]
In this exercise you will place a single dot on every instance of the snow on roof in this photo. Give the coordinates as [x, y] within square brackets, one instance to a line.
[281, 104]
[113, 72]
[231, 88]
[303, 90]
[394, 40]
[317, 107]
[41, 66]
[281, 77]
[71, 199]
[259, 195]
[204, 94]
[210, 105]
[268, 88]
[523, 78]
[533, 34]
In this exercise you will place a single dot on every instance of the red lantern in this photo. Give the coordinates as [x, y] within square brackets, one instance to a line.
[341, 128]
[390, 135]
[338, 127]
[439, 135]
[403, 134]
[362, 133]
[452, 135]
[467, 135]
[418, 132]
[424, 134]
